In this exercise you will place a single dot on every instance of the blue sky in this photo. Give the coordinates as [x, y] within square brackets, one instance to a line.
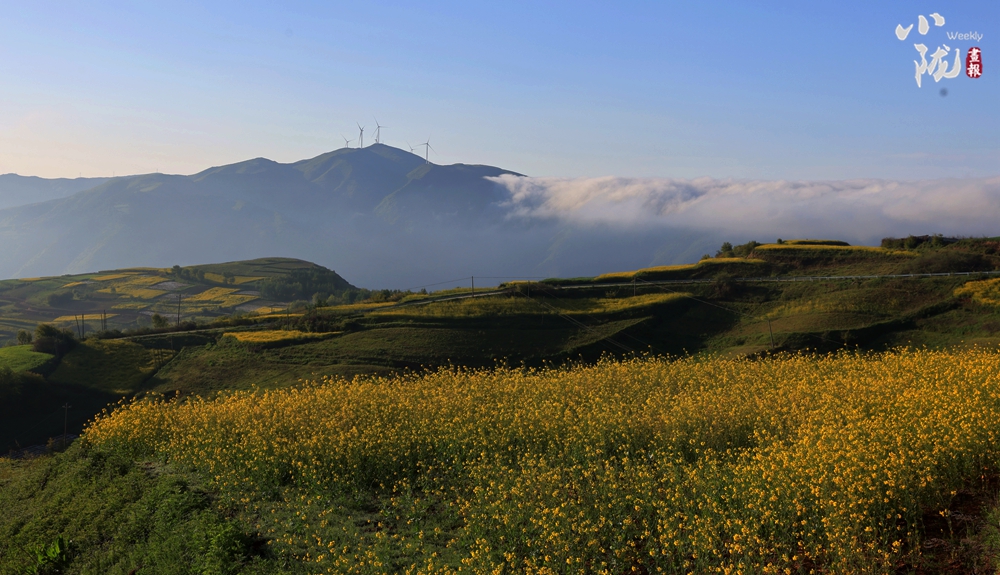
[764, 90]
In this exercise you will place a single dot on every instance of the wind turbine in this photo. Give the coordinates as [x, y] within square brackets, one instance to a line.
[347, 143]
[361, 144]
[378, 131]
[427, 150]
[410, 147]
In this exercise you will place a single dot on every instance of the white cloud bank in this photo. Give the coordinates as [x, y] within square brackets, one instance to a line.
[861, 210]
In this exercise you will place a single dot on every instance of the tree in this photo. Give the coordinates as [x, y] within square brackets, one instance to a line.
[728, 250]
[23, 337]
[50, 339]
[159, 321]
[745, 250]
[59, 299]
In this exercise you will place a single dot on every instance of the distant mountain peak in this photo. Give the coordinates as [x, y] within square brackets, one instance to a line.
[340, 206]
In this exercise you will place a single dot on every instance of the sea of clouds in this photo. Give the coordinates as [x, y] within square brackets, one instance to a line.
[861, 211]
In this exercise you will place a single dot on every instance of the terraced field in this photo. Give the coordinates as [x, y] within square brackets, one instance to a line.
[125, 299]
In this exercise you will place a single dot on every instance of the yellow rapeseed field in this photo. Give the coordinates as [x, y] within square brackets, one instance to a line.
[275, 335]
[627, 276]
[791, 465]
[210, 294]
[839, 249]
[981, 291]
[86, 317]
[238, 280]
[494, 306]
[131, 285]
[131, 305]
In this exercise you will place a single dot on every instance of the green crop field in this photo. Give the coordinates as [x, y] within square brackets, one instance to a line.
[22, 358]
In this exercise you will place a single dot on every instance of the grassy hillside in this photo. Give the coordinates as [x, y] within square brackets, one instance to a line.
[531, 323]
[402, 466]
[22, 358]
[128, 298]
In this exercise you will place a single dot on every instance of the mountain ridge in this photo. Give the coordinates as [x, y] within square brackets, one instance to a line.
[17, 190]
[318, 208]
[384, 216]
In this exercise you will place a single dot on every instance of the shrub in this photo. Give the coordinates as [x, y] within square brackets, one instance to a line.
[947, 261]
[59, 299]
[728, 250]
[50, 339]
[913, 242]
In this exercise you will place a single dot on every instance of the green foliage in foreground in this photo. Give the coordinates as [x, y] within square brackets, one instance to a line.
[86, 511]
[22, 358]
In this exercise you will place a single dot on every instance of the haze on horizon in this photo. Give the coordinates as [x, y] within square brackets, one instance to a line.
[778, 92]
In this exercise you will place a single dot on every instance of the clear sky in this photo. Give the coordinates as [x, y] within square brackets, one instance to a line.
[767, 90]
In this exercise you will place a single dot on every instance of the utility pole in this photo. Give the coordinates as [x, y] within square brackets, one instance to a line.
[633, 287]
[771, 333]
[178, 310]
[473, 285]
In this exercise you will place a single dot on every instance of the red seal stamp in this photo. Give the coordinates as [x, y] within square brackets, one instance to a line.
[974, 62]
